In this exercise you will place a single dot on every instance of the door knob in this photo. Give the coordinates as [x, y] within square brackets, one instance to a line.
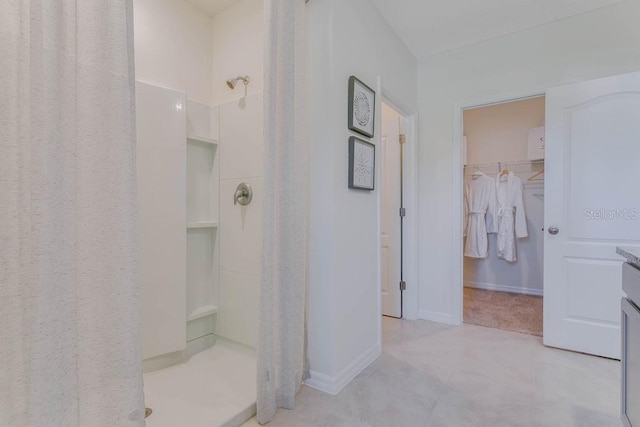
[553, 230]
[243, 194]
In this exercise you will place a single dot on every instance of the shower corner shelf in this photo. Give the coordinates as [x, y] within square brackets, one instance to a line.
[202, 224]
[202, 140]
[207, 310]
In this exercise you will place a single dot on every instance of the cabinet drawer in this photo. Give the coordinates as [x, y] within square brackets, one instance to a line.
[631, 282]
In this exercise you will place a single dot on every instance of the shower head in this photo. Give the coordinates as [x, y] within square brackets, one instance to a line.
[232, 82]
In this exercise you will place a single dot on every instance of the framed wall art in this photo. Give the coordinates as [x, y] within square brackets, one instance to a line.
[362, 162]
[362, 107]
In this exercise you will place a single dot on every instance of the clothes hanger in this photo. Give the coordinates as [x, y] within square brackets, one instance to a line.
[504, 175]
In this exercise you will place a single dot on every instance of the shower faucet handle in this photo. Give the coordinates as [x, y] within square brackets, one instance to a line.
[239, 194]
[243, 194]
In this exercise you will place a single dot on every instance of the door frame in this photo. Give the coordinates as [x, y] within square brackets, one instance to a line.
[458, 185]
[391, 170]
[410, 198]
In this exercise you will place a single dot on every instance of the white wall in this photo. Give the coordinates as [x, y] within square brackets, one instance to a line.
[240, 231]
[180, 47]
[238, 46]
[500, 133]
[596, 44]
[347, 37]
[161, 155]
[173, 47]
[237, 34]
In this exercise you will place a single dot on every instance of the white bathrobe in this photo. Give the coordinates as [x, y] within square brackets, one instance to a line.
[511, 218]
[480, 208]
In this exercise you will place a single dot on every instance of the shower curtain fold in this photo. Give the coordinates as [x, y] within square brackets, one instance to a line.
[281, 339]
[69, 344]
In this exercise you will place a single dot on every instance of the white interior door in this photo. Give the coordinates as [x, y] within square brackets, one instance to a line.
[161, 162]
[591, 197]
[390, 214]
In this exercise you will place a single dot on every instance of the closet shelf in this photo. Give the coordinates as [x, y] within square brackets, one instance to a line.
[203, 224]
[202, 140]
[206, 310]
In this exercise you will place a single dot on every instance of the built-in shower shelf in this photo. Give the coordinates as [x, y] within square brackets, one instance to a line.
[207, 310]
[202, 140]
[203, 224]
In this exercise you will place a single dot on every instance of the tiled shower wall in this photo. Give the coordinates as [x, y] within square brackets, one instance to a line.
[241, 152]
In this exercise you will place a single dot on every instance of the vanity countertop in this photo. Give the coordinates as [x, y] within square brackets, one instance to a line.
[631, 254]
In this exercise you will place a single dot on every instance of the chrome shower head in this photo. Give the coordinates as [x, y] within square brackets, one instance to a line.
[232, 82]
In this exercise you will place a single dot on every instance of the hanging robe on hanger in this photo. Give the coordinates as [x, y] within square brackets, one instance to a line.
[511, 218]
[480, 207]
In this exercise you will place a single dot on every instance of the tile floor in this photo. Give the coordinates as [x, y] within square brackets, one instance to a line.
[214, 388]
[436, 375]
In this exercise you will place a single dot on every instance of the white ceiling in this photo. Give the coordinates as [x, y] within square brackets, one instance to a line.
[211, 7]
[430, 26]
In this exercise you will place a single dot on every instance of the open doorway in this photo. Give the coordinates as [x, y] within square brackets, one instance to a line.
[503, 154]
[391, 213]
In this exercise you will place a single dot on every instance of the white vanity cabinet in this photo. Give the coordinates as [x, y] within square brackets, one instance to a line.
[631, 345]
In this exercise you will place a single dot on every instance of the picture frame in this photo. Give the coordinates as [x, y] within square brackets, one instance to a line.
[362, 107]
[362, 164]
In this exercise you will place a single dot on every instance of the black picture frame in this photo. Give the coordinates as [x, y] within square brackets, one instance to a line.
[362, 107]
[362, 164]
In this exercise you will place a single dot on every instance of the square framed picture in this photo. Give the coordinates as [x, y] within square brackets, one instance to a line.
[362, 164]
[362, 107]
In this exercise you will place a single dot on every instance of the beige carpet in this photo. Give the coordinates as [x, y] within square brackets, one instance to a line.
[503, 310]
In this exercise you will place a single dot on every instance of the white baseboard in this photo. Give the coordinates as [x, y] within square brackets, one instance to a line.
[437, 317]
[504, 288]
[333, 385]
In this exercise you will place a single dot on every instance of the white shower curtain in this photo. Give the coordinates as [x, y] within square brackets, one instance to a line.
[69, 344]
[281, 343]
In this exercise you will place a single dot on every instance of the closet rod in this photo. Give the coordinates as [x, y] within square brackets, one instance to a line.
[501, 165]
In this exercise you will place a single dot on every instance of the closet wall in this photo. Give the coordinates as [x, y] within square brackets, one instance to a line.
[499, 133]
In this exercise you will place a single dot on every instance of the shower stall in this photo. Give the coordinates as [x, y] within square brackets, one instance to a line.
[199, 255]
[137, 183]
[200, 195]
[200, 207]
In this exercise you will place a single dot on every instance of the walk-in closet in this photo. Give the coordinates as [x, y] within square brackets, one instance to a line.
[503, 152]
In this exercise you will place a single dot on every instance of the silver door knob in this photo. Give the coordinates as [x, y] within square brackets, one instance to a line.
[553, 230]
[243, 194]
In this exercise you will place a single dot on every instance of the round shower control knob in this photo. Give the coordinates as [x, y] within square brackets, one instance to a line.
[243, 194]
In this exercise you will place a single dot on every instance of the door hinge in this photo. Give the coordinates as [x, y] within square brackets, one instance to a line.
[403, 138]
[403, 285]
[403, 212]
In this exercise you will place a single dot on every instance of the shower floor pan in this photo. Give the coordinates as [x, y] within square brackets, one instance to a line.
[216, 387]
